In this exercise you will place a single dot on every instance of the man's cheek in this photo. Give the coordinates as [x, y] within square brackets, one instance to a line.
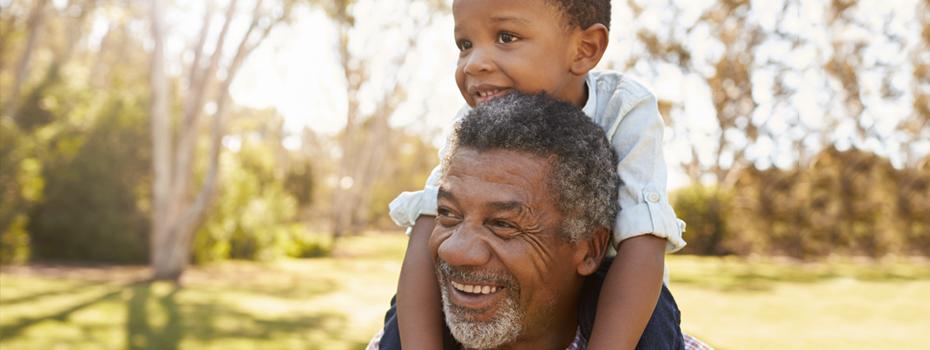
[538, 250]
[437, 237]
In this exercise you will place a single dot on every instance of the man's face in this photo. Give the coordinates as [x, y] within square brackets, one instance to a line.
[504, 45]
[502, 267]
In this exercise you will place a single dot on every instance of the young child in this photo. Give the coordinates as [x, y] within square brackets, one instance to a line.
[552, 45]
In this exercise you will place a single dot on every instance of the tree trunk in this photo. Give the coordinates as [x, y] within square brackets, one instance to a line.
[175, 218]
[161, 234]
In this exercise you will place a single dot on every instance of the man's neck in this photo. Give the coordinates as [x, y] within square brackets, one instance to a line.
[557, 335]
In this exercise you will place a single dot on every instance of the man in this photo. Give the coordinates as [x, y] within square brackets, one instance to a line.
[526, 202]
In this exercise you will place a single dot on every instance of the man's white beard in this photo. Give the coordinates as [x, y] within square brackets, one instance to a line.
[504, 328]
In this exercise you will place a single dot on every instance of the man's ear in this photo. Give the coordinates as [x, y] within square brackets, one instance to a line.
[591, 252]
[590, 46]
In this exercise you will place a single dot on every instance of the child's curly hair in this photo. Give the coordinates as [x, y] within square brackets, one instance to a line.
[584, 13]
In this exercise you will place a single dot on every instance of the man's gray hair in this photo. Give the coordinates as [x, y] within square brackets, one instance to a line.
[583, 176]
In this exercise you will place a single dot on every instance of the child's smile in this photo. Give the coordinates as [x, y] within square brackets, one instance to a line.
[517, 44]
[487, 92]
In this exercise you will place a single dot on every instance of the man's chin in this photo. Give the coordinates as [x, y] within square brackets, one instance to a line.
[504, 328]
[486, 328]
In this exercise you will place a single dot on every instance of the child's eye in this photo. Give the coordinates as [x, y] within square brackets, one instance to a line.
[463, 45]
[506, 38]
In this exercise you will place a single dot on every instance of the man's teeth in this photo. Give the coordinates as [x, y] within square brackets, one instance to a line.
[474, 289]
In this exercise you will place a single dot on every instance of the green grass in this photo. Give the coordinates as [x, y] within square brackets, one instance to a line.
[338, 303]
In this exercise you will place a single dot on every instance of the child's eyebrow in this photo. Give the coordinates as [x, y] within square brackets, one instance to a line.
[508, 19]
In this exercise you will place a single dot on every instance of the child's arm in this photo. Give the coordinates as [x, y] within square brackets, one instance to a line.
[624, 307]
[419, 315]
[646, 226]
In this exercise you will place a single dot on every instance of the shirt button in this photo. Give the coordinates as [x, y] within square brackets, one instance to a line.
[652, 197]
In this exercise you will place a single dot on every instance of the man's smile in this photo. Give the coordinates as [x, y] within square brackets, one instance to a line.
[474, 288]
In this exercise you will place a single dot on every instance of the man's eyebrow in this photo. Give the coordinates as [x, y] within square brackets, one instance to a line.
[442, 193]
[516, 206]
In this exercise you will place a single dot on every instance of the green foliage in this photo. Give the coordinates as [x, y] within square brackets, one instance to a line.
[96, 183]
[310, 246]
[299, 182]
[21, 185]
[254, 217]
[913, 203]
[844, 203]
[409, 165]
[14, 242]
[706, 210]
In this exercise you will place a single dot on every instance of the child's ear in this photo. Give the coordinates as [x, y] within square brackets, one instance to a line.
[590, 252]
[590, 47]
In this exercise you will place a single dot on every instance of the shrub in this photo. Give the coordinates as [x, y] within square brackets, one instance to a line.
[705, 209]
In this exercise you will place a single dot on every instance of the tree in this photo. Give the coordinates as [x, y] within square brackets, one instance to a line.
[175, 215]
[362, 142]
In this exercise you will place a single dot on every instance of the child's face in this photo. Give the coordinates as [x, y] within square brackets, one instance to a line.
[513, 44]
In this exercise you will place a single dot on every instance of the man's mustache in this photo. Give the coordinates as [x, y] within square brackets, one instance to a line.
[472, 274]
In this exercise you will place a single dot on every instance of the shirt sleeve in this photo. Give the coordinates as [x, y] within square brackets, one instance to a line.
[408, 206]
[636, 136]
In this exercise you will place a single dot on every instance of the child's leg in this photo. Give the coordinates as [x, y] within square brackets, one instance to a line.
[391, 338]
[664, 328]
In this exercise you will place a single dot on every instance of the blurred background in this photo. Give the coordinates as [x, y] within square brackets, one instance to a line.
[215, 174]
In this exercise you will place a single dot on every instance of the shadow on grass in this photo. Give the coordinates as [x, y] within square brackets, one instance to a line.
[17, 328]
[210, 323]
[140, 333]
[160, 315]
[70, 289]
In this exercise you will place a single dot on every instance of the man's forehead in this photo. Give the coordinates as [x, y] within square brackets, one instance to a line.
[507, 178]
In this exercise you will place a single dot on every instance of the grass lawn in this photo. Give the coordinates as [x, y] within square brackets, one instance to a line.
[338, 303]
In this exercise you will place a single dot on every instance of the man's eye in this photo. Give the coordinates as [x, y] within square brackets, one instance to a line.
[463, 45]
[506, 38]
[446, 217]
[502, 224]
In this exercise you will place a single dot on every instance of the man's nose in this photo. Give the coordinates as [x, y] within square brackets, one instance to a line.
[478, 61]
[465, 247]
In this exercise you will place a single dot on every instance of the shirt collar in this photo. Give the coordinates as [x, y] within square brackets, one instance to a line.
[590, 106]
[579, 343]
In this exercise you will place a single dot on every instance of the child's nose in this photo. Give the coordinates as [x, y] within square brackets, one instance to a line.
[477, 62]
